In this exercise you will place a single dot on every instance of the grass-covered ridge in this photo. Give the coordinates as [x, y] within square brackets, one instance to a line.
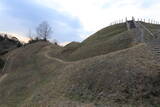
[106, 33]
[107, 40]
[115, 76]
[105, 69]
[103, 79]
[152, 27]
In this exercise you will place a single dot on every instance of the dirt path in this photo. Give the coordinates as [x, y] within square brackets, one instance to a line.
[53, 58]
[46, 54]
[3, 77]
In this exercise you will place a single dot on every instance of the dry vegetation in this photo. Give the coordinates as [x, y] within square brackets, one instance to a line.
[153, 27]
[112, 72]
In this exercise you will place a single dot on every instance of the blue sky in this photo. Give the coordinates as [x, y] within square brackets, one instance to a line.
[71, 20]
[20, 15]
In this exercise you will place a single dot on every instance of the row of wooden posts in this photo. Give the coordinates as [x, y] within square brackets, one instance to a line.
[151, 21]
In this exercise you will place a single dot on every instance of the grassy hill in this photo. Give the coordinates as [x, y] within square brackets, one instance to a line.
[107, 69]
[69, 49]
[48, 81]
[110, 39]
[107, 39]
[153, 27]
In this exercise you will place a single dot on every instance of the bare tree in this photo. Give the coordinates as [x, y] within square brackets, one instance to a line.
[44, 30]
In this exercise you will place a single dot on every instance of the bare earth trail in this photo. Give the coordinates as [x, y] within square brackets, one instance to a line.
[46, 54]
[53, 58]
[3, 77]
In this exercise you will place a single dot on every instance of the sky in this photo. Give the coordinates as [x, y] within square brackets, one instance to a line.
[71, 20]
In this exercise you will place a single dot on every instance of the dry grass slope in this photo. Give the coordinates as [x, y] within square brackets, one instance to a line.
[102, 80]
[112, 72]
[153, 27]
[126, 76]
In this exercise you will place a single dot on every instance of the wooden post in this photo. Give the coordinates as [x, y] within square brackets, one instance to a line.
[133, 18]
[126, 19]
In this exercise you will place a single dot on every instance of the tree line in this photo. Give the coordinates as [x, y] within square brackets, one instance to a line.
[11, 39]
[43, 33]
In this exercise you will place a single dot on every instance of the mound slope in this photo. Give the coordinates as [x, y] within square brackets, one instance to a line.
[118, 74]
[128, 75]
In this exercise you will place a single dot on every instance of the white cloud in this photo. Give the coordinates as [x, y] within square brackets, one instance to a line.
[96, 14]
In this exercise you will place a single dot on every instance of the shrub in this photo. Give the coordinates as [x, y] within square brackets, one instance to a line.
[1, 63]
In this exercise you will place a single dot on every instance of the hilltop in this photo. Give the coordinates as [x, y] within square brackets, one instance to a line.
[113, 68]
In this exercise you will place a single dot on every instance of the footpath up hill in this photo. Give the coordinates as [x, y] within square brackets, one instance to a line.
[122, 78]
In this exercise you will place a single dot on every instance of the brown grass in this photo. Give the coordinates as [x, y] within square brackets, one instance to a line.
[125, 76]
